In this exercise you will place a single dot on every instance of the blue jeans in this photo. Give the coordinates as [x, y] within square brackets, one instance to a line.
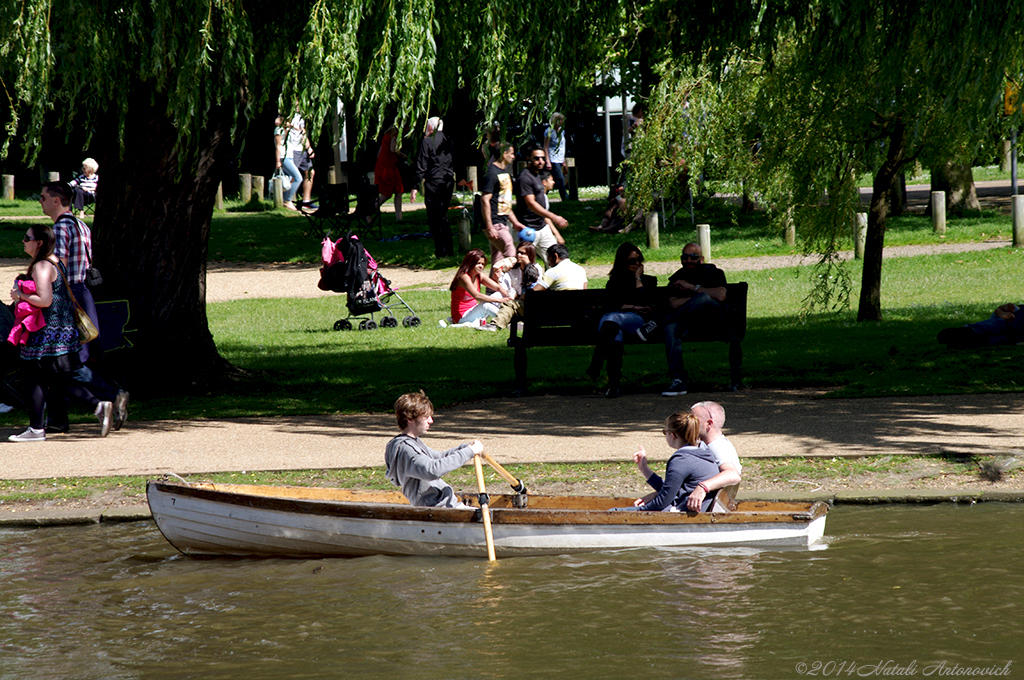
[288, 165]
[628, 322]
[556, 174]
[702, 310]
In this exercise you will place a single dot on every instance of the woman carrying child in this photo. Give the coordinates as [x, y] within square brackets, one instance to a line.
[630, 296]
[686, 469]
[469, 304]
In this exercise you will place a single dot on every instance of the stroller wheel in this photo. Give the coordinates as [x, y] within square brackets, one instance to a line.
[371, 325]
[362, 325]
[405, 321]
[414, 321]
[388, 322]
[342, 325]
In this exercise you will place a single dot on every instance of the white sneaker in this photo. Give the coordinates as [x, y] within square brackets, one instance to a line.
[29, 435]
[676, 388]
[105, 414]
[442, 323]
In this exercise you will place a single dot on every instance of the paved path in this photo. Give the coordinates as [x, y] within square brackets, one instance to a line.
[538, 429]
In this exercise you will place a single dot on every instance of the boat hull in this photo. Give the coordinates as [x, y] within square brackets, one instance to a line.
[240, 520]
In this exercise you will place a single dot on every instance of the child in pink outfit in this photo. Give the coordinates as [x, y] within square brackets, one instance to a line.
[27, 318]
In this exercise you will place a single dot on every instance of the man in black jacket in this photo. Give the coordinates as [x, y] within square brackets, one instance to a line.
[434, 167]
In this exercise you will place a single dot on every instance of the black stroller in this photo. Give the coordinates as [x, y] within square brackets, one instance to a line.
[349, 268]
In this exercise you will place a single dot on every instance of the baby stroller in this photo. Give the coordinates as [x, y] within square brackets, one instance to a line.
[349, 268]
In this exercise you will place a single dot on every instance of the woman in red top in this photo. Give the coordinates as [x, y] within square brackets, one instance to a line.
[468, 303]
[386, 174]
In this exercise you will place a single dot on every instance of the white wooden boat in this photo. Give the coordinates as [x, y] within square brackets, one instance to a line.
[248, 520]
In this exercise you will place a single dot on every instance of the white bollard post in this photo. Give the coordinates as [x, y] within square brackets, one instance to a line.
[277, 191]
[1018, 221]
[939, 212]
[8, 187]
[257, 186]
[704, 240]
[465, 237]
[651, 222]
[245, 186]
[860, 235]
[53, 177]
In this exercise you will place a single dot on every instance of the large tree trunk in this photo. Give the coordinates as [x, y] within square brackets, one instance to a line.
[957, 180]
[150, 242]
[870, 308]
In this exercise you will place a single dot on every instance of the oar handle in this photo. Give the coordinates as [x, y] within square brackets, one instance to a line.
[517, 484]
[484, 510]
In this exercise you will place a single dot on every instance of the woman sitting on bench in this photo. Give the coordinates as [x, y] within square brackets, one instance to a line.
[630, 299]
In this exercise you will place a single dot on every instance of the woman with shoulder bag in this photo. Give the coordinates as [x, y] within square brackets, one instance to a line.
[51, 353]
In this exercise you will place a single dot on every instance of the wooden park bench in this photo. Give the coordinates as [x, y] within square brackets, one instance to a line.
[569, 318]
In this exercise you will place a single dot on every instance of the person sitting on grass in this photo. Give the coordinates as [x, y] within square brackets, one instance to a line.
[685, 471]
[1004, 327]
[416, 468]
[469, 304]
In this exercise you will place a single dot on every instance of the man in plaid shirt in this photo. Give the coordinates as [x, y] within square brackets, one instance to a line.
[74, 248]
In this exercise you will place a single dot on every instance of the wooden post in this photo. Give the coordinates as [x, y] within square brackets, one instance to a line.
[651, 222]
[860, 235]
[219, 202]
[277, 192]
[790, 231]
[1018, 221]
[8, 187]
[257, 186]
[939, 212]
[53, 177]
[471, 178]
[245, 186]
[572, 180]
[1004, 155]
[704, 240]
[332, 175]
[465, 235]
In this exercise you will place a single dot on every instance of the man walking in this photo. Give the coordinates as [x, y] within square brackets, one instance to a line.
[434, 168]
[531, 194]
[496, 205]
[74, 248]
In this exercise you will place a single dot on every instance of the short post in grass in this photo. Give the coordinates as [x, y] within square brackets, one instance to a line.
[471, 177]
[572, 179]
[465, 235]
[790, 228]
[651, 223]
[218, 203]
[704, 240]
[257, 186]
[939, 212]
[860, 235]
[1018, 221]
[245, 186]
[8, 187]
[277, 191]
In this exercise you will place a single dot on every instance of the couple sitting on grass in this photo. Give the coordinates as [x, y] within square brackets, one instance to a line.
[703, 462]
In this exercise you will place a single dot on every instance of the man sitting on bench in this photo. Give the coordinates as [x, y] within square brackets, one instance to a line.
[696, 299]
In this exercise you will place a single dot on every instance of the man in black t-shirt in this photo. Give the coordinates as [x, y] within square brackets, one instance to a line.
[496, 206]
[434, 167]
[531, 212]
[696, 299]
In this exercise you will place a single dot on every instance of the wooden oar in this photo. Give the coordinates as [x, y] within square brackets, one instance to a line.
[484, 510]
[517, 484]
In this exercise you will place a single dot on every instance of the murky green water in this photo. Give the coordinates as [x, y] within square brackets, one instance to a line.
[921, 585]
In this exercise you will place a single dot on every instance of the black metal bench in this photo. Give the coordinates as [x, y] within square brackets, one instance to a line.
[569, 318]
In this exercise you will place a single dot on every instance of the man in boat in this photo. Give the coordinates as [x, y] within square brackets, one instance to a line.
[712, 417]
[416, 468]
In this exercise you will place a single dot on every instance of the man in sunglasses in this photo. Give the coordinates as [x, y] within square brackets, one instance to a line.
[696, 299]
[532, 195]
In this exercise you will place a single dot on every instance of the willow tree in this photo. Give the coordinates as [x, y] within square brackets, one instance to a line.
[843, 89]
[169, 87]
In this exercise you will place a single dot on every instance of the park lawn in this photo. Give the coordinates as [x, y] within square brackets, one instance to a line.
[300, 366]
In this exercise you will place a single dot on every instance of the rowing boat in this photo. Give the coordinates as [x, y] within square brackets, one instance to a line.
[250, 520]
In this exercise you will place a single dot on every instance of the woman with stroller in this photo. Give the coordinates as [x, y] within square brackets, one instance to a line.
[630, 296]
[51, 353]
[469, 304]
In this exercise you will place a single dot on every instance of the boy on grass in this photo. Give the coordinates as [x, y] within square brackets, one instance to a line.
[415, 467]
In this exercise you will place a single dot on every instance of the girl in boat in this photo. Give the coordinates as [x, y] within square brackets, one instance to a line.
[686, 470]
[416, 468]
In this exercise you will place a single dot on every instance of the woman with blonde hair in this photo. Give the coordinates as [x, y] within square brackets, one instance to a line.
[687, 468]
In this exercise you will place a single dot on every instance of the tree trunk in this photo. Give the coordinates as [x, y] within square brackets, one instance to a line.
[151, 238]
[957, 180]
[870, 307]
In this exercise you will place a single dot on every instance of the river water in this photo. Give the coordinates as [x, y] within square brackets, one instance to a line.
[923, 591]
